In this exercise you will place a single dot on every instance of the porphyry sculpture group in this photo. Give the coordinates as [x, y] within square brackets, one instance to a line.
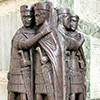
[47, 59]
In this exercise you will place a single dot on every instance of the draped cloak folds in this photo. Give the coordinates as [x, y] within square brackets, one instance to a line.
[51, 46]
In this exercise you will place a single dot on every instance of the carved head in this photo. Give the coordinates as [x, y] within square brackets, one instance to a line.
[27, 15]
[41, 13]
[64, 14]
[74, 22]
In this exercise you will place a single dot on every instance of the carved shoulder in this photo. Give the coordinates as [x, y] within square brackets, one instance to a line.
[17, 32]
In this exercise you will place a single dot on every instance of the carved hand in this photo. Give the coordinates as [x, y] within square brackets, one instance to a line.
[78, 36]
[46, 31]
[25, 63]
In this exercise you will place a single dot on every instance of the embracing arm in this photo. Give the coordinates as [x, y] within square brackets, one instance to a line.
[21, 42]
[74, 43]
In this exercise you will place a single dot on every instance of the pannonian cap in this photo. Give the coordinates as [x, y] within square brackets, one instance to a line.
[48, 3]
[26, 8]
[41, 6]
[63, 11]
[74, 15]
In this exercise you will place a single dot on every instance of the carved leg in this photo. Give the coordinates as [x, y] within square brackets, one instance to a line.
[81, 96]
[50, 97]
[73, 97]
[23, 96]
[11, 96]
[45, 98]
[17, 96]
[14, 96]
[39, 97]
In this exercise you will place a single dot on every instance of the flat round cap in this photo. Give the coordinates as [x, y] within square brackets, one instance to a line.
[26, 8]
[41, 6]
[63, 11]
[74, 15]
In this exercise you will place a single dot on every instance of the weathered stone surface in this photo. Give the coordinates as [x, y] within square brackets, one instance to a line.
[89, 28]
[88, 10]
[12, 6]
[3, 85]
[87, 50]
[8, 26]
[65, 3]
[95, 69]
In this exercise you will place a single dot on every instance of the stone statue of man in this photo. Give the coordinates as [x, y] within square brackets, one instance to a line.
[63, 28]
[75, 62]
[42, 50]
[48, 78]
[21, 65]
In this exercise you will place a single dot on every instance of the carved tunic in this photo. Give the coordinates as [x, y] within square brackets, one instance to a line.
[43, 75]
[75, 64]
[51, 47]
[39, 79]
[19, 76]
